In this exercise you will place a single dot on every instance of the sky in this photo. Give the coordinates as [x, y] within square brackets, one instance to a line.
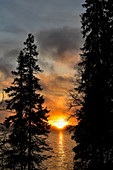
[56, 27]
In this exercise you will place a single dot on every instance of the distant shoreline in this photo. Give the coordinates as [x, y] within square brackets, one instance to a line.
[54, 128]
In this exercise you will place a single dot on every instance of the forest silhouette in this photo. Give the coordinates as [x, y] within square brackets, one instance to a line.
[93, 93]
[23, 143]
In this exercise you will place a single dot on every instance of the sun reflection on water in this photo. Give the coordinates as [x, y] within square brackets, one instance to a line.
[61, 153]
[61, 138]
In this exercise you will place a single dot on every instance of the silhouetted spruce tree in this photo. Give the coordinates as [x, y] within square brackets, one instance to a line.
[109, 77]
[14, 150]
[2, 147]
[92, 91]
[29, 125]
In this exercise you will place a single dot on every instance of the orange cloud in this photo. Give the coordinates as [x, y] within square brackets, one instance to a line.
[55, 91]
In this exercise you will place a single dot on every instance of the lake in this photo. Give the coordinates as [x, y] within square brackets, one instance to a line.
[62, 158]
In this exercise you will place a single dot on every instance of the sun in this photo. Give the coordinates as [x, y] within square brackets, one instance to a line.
[60, 123]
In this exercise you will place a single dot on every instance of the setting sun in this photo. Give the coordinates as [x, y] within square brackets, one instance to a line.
[60, 123]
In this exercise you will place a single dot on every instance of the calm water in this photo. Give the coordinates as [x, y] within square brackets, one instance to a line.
[62, 158]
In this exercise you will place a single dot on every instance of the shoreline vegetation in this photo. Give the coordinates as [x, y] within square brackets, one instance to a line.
[52, 128]
[65, 128]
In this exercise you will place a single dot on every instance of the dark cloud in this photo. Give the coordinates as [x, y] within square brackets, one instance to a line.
[5, 68]
[7, 44]
[11, 54]
[46, 13]
[62, 79]
[58, 42]
[46, 65]
[11, 28]
[7, 61]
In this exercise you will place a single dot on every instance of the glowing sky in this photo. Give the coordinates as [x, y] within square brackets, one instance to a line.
[56, 27]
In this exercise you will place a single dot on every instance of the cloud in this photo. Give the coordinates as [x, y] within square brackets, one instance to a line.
[55, 85]
[12, 28]
[58, 47]
[11, 54]
[8, 61]
[46, 13]
[5, 68]
[46, 65]
[59, 42]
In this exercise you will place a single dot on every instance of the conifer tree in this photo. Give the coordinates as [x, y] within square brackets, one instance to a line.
[92, 91]
[29, 125]
[14, 152]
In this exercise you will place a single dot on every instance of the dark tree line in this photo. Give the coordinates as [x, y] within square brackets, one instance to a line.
[22, 148]
[93, 93]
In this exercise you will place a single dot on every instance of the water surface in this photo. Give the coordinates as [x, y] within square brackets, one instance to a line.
[62, 157]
